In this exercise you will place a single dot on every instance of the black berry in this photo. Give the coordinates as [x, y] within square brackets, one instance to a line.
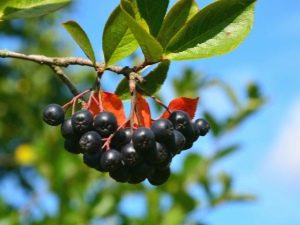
[53, 114]
[130, 155]
[67, 130]
[82, 121]
[105, 123]
[122, 174]
[178, 144]
[111, 160]
[121, 138]
[90, 141]
[72, 145]
[202, 127]
[143, 139]
[139, 173]
[159, 176]
[159, 155]
[92, 159]
[163, 130]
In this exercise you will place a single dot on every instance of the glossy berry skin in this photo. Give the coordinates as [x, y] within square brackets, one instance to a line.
[139, 173]
[130, 155]
[122, 174]
[105, 123]
[53, 114]
[72, 146]
[67, 130]
[159, 156]
[159, 176]
[111, 160]
[163, 130]
[90, 141]
[82, 121]
[92, 159]
[202, 127]
[121, 138]
[178, 144]
[182, 123]
[143, 139]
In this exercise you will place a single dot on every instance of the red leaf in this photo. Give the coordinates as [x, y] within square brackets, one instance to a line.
[110, 103]
[188, 105]
[143, 114]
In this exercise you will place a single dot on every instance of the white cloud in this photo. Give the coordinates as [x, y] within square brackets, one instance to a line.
[284, 159]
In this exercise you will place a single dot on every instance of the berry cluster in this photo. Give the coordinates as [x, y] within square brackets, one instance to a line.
[128, 154]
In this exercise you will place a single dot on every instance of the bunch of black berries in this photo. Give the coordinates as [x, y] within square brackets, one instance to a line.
[127, 154]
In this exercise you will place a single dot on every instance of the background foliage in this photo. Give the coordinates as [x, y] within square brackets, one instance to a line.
[57, 188]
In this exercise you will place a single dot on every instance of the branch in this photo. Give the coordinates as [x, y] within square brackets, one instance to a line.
[64, 78]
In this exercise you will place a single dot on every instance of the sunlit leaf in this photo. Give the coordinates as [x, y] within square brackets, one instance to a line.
[151, 48]
[178, 15]
[217, 29]
[18, 9]
[118, 40]
[81, 38]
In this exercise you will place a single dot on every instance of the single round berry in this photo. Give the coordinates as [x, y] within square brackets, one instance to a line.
[121, 138]
[202, 127]
[72, 145]
[178, 144]
[159, 155]
[105, 123]
[92, 159]
[130, 155]
[82, 121]
[122, 174]
[143, 139]
[67, 130]
[53, 114]
[111, 160]
[159, 176]
[90, 141]
[163, 130]
[182, 123]
[139, 173]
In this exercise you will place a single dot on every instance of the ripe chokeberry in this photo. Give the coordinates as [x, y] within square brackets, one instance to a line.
[121, 138]
[178, 144]
[105, 123]
[158, 156]
[163, 130]
[111, 160]
[159, 176]
[201, 126]
[82, 121]
[53, 114]
[130, 155]
[67, 130]
[72, 145]
[143, 139]
[122, 174]
[139, 173]
[92, 159]
[90, 141]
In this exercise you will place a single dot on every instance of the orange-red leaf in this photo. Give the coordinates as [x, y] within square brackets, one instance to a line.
[188, 105]
[142, 113]
[106, 101]
[112, 103]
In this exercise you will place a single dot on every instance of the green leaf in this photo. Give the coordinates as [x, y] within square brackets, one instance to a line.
[178, 15]
[118, 40]
[81, 38]
[151, 48]
[214, 30]
[152, 84]
[153, 13]
[18, 9]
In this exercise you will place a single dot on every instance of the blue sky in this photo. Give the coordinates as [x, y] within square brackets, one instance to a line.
[269, 163]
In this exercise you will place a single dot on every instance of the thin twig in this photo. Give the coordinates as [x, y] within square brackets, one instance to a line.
[65, 79]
